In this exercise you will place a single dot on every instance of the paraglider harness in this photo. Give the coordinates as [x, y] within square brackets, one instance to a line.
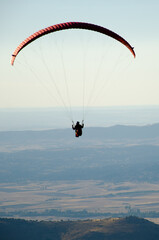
[78, 128]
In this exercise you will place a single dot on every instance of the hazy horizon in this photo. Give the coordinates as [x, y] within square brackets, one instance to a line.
[13, 119]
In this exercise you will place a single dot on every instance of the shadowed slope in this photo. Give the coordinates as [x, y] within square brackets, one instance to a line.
[131, 228]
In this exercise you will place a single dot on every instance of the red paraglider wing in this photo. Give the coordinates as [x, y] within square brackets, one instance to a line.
[70, 25]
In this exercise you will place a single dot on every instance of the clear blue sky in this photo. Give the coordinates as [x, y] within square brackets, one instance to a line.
[137, 21]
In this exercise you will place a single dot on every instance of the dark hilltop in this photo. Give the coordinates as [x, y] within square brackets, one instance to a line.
[129, 228]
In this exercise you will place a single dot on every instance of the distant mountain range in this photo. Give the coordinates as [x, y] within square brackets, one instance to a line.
[129, 228]
[119, 134]
[111, 154]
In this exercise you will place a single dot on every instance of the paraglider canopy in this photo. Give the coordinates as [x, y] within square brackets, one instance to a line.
[71, 25]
